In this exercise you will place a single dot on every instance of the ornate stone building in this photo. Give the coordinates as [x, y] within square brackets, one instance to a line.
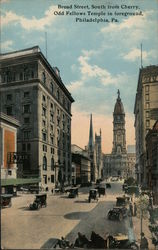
[152, 161]
[118, 162]
[33, 92]
[146, 114]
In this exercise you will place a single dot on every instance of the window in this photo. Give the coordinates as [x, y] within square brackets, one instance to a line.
[51, 118]
[51, 127]
[23, 147]
[9, 172]
[52, 87]
[21, 76]
[9, 110]
[147, 114]
[45, 179]
[26, 94]
[58, 122]
[32, 74]
[44, 98]
[147, 88]
[51, 105]
[44, 123]
[27, 108]
[27, 134]
[26, 120]
[52, 164]
[52, 140]
[147, 105]
[28, 147]
[44, 136]
[147, 97]
[43, 111]
[44, 148]
[147, 123]
[44, 77]
[52, 150]
[58, 95]
[44, 163]
[52, 178]
[9, 97]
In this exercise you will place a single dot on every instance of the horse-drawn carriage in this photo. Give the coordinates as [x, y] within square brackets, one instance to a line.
[40, 201]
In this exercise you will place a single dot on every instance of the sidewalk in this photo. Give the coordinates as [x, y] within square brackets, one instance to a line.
[136, 228]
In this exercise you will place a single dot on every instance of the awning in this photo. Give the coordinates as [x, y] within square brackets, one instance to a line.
[19, 181]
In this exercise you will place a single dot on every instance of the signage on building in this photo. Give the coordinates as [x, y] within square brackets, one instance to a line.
[14, 157]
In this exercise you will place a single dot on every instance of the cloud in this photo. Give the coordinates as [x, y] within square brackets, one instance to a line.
[74, 85]
[7, 45]
[29, 24]
[5, 1]
[131, 30]
[135, 54]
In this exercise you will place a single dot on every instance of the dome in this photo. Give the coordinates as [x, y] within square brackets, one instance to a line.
[118, 109]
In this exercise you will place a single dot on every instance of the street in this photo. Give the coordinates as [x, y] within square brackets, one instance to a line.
[63, 216]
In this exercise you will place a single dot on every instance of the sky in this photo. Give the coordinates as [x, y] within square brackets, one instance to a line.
[94, 59]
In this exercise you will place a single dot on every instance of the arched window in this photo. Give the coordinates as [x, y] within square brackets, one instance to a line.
[44, 163]
[52, 164]
[44, 77]
[58, 94]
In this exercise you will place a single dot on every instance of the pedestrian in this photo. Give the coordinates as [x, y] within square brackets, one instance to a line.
[144, 242]
[131, 208]
[135, 209]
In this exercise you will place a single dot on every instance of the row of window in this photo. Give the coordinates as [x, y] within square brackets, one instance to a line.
[45, 163]
[61, 98]
[44, 113]
[45, 149]
[9, 76]
[45, 179]
[9, 97]
[26, 110]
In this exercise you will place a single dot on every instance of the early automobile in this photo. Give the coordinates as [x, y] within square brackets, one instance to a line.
[6, 200]
[122, 200]
[101, 190]
[56, 243]
[117, 213]
[108, 185]
[121, 241]
[93, 195]
[73, 192]
[40, 201]
[34, 189]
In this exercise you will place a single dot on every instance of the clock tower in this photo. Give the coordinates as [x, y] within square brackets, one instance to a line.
[119, 132]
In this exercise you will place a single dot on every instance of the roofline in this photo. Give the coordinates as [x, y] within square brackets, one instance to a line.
[36, 50]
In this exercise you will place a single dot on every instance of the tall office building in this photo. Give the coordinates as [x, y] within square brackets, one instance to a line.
[146, 114]
[33, 92]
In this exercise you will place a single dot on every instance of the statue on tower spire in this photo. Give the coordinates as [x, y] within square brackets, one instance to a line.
[118, 92]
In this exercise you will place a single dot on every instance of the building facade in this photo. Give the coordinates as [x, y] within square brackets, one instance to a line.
[81, 164]
[152, 161]
[146, 113]
[8, 143]
[119, 162]
[94, 149]
[33, 92]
